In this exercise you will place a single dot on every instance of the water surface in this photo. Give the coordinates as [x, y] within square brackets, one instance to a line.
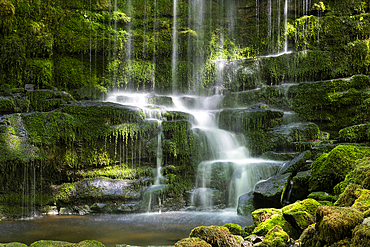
[132, 229]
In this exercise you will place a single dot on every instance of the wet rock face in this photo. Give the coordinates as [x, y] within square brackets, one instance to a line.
[245, 204]
[268, 193]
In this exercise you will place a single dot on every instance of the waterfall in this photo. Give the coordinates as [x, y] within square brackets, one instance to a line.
[286, 26]
[174, 47]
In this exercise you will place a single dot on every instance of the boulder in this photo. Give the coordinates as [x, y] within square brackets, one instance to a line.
[260, 215]
[234, 229]
[360, 236]
[245, 204]
[268, 193]
[322, 196]
[300, 186]
[336, 223]
[13, 244]
[331, 168]
[85, 243]
[309, 237]
[192, 242]
[275, 237]
[275, 220]
[297, 164]
[216, 236]
[301, 214]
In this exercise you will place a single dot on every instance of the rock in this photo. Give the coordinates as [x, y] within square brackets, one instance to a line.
[65, 211]
[366, 221]
[234, 229]
[360, 236]
[331, 168]
[216, 236]
[13, 244]
[309, 237]
[267, 193]
[260, 215]
[160, 100]
[362, 203]
[336, 223]
[297, 164]
[275, 237]
[300, 186]
[356, 133]
[245, 204]
[322, 196]
[254, 239]
[301, 214]
[275, 220]
[85, 243]
[192, 242]
[7, 105]
[359, 175]
[348, 197]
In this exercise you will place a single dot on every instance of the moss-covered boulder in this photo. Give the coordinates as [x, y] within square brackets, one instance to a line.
[309, 237]
[235, 229]
[331, 168]
[275, 220]
[13, 244]
[216, 236]
[301, 214]
[362, 203]
[268, 193]
[360, 236]
[336, 223]
[356, 133]
[260, 215]
[282, 156]
[192, 242]
[276, 237]
[322, 196]
[348, 197]
[85, 243]
[360, 175]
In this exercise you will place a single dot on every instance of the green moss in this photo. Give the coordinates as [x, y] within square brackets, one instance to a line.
[276, 237]
[214, 235]
[86, 243]
[322, 196]
[336, 223]
[356, 133]
[360, 175]
[233, 228]
[362, 203]
[348, 197]
[7, 105]
[330, 169]
[192, 242]
[361, 235]
[301, 214]
[275, 220]
[260, 215]
[13, 244]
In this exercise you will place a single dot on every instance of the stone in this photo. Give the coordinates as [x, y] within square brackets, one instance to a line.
[216, 236]
[192, 242]
[29, 87]
[336, 223]
[301, 214]
[309, 237]
[297, 164]
[276, 237]
[275, 220]
[300, 186]
[13, 244]
[245, 204]
[268, 193]
[360, 236]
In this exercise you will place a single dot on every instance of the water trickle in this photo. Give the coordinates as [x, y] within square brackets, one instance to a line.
[286, 26]
[174, 48]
